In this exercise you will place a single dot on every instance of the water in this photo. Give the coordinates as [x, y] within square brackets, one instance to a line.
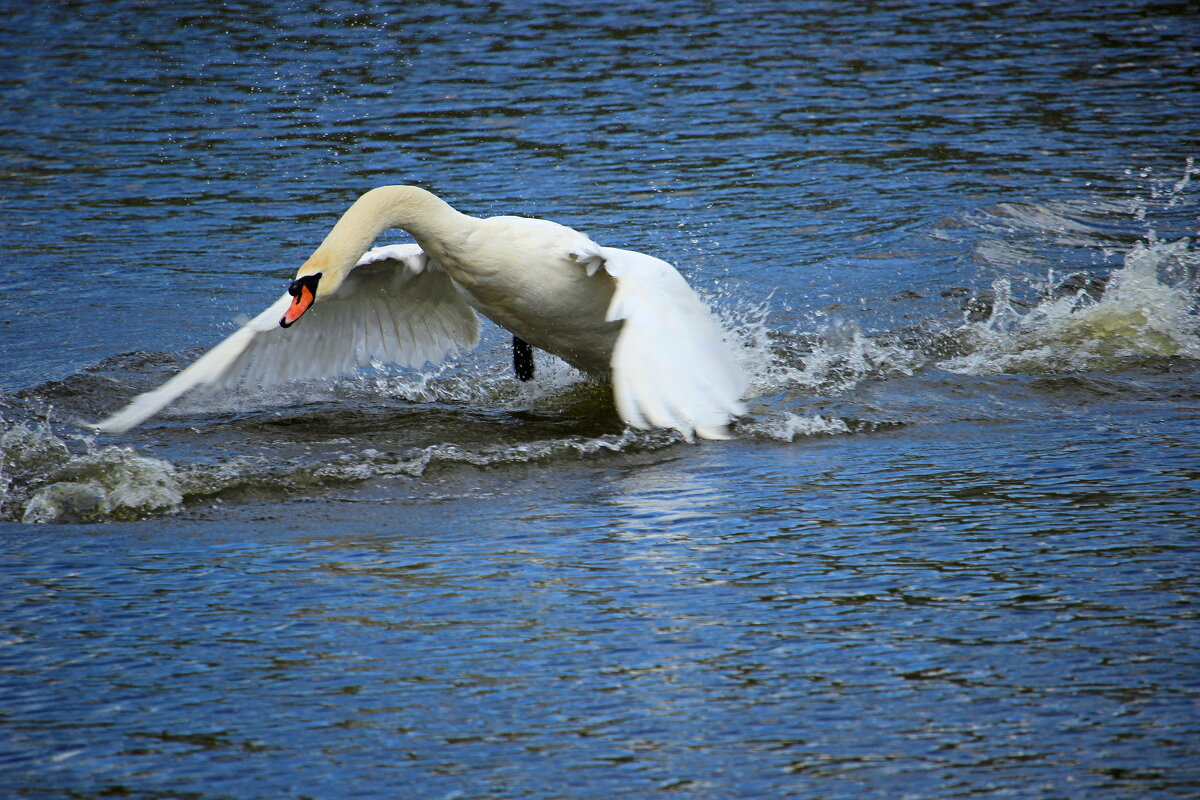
[949, 554]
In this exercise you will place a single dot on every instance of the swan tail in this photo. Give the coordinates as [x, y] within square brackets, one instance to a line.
[670, 366]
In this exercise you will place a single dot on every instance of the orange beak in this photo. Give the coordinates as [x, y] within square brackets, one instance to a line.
[304, 292]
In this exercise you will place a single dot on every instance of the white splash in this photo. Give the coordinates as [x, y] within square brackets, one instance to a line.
[1147, 310]
[840, 358]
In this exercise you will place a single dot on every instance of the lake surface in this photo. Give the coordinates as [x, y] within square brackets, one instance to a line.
[951, 552]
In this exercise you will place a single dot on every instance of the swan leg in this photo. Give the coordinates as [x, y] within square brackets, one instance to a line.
[522, 359]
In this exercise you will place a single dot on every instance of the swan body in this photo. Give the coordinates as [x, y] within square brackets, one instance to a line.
[606, 311]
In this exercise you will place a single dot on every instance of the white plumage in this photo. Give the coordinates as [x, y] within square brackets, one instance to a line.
[602, 309]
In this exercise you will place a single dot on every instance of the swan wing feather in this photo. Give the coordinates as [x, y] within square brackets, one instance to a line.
[395, 306]
[670, 366]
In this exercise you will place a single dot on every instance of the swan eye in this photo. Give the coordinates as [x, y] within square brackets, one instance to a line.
[307, 282]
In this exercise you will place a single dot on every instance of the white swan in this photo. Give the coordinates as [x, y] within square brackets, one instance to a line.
[603, 310]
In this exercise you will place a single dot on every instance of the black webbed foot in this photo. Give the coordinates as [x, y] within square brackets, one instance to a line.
[522, 359]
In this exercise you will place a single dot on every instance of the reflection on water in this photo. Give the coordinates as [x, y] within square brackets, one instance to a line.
[948, 555]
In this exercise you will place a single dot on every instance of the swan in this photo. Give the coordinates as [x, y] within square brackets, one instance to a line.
[608, 312]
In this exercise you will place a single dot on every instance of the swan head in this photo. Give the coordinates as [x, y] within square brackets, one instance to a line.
[304, 292]
[319, 277]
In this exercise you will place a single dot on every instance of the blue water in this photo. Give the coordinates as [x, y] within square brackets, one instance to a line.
[950, 552]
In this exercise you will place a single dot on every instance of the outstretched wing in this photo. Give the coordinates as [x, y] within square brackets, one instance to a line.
[396, 306]
[670, 366]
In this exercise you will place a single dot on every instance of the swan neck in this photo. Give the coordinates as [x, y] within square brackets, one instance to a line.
[429, 219]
